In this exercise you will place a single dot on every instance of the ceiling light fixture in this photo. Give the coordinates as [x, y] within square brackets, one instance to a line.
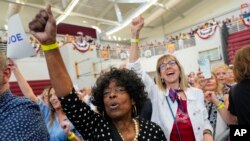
[21, 1]
[6, 27]
[137, 12]
[68, 10]
[160, 5]
[97, 29]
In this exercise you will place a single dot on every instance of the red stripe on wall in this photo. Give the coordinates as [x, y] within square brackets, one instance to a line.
[64, 29]
[37, 86]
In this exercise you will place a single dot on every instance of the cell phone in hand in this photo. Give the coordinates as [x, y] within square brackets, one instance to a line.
[205, 68]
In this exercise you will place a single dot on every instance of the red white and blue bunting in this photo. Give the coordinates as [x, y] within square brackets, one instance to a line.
[245, 12]
[207, 32]
[81, 46]
[246, 21]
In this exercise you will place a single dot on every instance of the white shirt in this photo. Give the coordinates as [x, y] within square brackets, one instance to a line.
[161, 112]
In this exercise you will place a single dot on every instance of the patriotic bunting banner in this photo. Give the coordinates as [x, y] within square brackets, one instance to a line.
[246, 21]
[206, 33]
[81, 46]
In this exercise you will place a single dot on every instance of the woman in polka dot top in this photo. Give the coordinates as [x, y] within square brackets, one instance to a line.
[119, 96]
[116, 94]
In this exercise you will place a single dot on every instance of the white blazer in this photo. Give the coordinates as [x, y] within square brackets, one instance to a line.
[161, 113]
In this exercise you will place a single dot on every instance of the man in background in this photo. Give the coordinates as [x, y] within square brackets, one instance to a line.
[20, 118]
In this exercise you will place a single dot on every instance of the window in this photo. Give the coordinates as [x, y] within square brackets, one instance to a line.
[211, 54]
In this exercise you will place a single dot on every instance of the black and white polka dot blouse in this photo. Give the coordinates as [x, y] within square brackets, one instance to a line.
[21, 120]
[93, 126]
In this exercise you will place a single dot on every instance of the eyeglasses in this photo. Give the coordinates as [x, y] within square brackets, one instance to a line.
[116, 90]
[163, 66]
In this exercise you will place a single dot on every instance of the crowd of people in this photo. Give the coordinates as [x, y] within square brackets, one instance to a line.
[125, 104]
[180, 40]
[58, 125]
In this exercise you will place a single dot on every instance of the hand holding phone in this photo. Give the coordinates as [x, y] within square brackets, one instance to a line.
[204, 65]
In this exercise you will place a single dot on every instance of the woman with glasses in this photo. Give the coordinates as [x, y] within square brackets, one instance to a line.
[177, 108]
[118, 94]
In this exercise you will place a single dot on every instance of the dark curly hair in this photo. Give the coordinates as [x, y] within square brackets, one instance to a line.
[124, 78]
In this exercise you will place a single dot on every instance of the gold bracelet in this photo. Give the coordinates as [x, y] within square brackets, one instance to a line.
[135, 41]
[49, 47]
[220, 106]
[207, 132]
[71, 136]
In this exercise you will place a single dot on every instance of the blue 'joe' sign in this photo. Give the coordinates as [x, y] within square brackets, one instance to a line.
[15, 38]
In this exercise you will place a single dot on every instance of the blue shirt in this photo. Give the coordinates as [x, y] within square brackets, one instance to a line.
[20, 119]
[55, 130]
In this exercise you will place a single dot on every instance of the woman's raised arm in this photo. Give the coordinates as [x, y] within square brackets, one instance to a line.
[22, 83]
[136, 26]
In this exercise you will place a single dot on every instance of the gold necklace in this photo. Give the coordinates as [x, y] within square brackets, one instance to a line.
[136, 131]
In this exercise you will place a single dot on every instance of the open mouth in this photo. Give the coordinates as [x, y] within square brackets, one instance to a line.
[113, 106]
[170, 74]
[209, 84]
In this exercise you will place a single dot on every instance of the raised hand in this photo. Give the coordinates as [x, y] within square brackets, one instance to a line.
[213, 97]
[209, 96]
[66, 127]
[11, 64]
[225, 89]
[43, 27]
[136, 26]
[200, 80]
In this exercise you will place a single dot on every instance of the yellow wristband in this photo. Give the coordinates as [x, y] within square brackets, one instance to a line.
[49, 47]
[220, 106]
[135, 41]
[71, 136]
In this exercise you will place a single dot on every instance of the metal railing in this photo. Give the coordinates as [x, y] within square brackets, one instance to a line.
[148, 51]
[236, 27]
[3, 48]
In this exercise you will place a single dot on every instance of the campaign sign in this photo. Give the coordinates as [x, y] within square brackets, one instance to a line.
[18, 45]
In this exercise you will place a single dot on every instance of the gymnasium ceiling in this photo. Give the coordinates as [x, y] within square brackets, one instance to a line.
[104, 14]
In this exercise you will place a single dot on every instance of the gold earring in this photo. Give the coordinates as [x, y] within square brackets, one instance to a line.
[134, 110]
[103, 113]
